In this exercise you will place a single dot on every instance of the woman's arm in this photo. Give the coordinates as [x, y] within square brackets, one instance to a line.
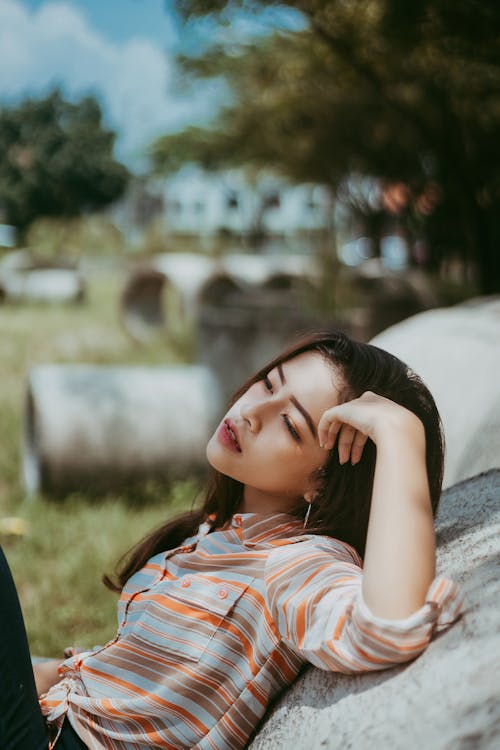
[400, 554]
[314, 595]
[46, 674]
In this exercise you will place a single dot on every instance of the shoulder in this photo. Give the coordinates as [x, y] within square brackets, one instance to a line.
[305, 547]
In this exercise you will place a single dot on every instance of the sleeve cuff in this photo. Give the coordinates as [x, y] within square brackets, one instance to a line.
[443, 605]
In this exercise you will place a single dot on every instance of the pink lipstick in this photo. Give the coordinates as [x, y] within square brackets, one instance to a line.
[228, 436]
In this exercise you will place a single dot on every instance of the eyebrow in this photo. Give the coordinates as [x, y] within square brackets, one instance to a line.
[299, 406]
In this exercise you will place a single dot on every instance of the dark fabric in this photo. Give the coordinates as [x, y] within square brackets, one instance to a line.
[21, 722]
[68, 739]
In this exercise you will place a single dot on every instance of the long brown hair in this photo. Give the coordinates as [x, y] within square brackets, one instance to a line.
[342, 508]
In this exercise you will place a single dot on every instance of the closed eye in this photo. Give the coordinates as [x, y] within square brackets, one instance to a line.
[291, 429]
[289, 426]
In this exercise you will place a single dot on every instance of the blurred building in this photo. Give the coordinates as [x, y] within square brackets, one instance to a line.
[209, 204]
[264, 212]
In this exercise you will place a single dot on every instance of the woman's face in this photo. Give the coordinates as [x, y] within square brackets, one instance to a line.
[268, 439]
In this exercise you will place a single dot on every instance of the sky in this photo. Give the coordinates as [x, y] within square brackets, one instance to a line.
[122, 51]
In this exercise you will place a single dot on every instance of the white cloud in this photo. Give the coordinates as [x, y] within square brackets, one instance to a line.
[56, 45]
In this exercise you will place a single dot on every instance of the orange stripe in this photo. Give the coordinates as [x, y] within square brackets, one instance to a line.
[263, 609]
[257, 693]
[182, 609]
[151, 696]
[195, 674]
[143, 722]
[301, 622]
[439, 589]
[371, 659]
[339, 627]
[278, 659]
[375, 636]
[230, 627]
[236, 731]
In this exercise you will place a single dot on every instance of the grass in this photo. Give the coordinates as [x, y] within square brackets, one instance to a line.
[58, 564]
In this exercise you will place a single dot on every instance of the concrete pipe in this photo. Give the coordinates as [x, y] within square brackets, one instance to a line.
[187, 272]
[219, 291]
[162, 295]
[26, 278]
[99, 427]
[259, 269]
[456, 351]
[148, 302]
[43, 285]
[168, 291]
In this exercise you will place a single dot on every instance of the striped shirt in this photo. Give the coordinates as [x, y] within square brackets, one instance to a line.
[210, 632]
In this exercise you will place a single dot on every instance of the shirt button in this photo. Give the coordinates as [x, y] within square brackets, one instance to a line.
[223, 593]
[185, 583]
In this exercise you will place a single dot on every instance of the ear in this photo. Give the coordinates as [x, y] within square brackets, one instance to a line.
[310, 496]
[314, 485]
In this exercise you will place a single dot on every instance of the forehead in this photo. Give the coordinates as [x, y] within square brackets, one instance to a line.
[314, 381]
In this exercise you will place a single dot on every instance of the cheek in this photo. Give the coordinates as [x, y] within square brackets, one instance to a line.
[280, 467]
[273, 462]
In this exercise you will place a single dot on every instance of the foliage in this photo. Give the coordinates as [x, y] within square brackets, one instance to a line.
[408, 93]
[75, 237]
[58, 160]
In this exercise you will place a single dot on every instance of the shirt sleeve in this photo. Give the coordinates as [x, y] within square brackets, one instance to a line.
[315, 599]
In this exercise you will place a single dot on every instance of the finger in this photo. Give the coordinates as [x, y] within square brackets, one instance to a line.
[358, 444]
[323, 427]
[327, 432]
[346, 438]
[333, 432]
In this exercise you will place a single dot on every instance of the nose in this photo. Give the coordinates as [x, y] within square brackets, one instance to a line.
[253, 413]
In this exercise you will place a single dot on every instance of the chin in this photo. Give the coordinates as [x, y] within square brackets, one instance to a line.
[219, 460]
[215, 455]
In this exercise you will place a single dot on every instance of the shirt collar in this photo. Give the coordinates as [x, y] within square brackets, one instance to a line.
[262, 528]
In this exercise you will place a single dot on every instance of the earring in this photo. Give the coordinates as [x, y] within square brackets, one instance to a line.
[307, 514]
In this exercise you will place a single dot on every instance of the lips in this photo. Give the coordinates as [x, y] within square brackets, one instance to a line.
[228, 435]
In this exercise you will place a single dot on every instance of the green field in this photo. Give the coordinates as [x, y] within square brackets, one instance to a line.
[70, 542]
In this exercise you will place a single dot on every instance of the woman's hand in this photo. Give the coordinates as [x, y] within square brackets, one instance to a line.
[369, 416]
[399, 559]
[46, 674]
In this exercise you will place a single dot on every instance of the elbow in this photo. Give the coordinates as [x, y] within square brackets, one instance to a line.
[383, 642]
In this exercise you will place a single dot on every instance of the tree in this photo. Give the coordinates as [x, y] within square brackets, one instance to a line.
[57, 160]
[404, 92]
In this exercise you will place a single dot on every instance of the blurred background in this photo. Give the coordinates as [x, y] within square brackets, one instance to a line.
[188, 184]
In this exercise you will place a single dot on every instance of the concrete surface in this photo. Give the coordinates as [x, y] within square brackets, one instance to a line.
[456, 351]
[447, 698]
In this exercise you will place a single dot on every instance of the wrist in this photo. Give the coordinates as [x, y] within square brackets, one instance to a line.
[403, 430]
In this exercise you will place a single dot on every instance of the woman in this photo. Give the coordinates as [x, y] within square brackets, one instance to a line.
[315, 544]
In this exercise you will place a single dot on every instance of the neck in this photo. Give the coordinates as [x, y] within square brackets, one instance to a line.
[255, 501]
